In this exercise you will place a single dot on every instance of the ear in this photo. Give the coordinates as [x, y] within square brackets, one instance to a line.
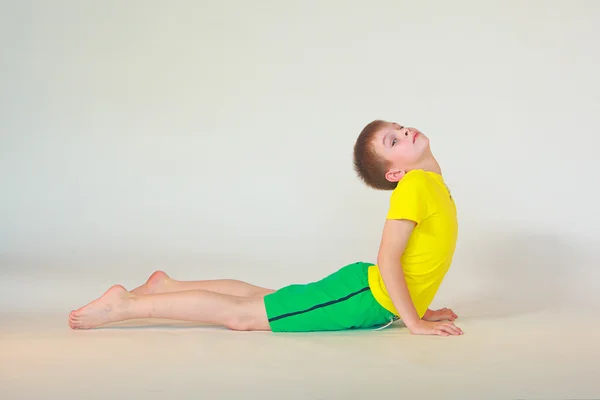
[395, 175]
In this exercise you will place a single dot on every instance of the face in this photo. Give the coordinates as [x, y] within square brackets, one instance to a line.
[404, 147]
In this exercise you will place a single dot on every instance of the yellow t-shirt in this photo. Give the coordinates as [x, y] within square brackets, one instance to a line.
[422, 197]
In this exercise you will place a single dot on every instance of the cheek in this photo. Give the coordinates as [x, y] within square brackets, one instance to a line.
[413, 152]
[409, 148]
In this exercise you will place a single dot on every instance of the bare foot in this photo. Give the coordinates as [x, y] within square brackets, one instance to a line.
[110, 307]
[155, 284]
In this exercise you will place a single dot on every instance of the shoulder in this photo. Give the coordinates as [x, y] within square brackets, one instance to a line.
[413, 181]
[414, 176]
[412, 198]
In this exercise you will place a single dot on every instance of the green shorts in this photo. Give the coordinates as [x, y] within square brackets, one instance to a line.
[343, 300]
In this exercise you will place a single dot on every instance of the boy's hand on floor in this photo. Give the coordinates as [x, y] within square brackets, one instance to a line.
[423, 327]
[444, 314]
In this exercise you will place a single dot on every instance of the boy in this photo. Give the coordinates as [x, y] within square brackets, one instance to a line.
[416, 250]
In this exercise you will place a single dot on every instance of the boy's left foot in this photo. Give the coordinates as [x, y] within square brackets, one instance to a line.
[111, 307]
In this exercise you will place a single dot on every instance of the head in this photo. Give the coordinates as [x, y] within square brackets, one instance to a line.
[386, 151]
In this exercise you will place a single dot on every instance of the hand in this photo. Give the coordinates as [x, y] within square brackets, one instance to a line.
[434, 328]
[444, 314]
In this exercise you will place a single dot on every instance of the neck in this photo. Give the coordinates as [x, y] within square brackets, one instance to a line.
[430, 164]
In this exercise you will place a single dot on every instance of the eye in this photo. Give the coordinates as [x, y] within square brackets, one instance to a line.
[394, 141]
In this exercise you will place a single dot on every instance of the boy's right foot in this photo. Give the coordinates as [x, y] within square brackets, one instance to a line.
[157, 283]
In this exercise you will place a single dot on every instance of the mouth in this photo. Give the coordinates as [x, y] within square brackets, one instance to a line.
[415, 137]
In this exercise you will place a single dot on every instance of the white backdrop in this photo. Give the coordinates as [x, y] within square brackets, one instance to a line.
[214, 139]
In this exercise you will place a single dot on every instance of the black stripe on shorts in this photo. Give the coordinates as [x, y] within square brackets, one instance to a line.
[329, 303]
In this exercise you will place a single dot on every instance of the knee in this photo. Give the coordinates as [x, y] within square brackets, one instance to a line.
[239, 323]
[247, 316]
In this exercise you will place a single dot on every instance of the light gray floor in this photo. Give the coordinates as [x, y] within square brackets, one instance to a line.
[544, 354]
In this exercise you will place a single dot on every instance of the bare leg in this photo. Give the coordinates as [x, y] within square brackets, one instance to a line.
[117, 304]
[160, 282]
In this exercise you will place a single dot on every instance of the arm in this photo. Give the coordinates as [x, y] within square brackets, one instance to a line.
[393, 242]
[396, 233]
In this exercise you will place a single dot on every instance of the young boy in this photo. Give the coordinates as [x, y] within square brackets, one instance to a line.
[416, 250]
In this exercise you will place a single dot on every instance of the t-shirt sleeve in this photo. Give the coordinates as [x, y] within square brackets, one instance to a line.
[410, 200]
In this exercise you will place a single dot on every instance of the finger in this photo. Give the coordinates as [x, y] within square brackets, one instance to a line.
[448, 315]
[448, 330]
[440, 332]
[457, 329]
[452, 329]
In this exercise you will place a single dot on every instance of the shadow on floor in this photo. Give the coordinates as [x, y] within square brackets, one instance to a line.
[521, 273]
